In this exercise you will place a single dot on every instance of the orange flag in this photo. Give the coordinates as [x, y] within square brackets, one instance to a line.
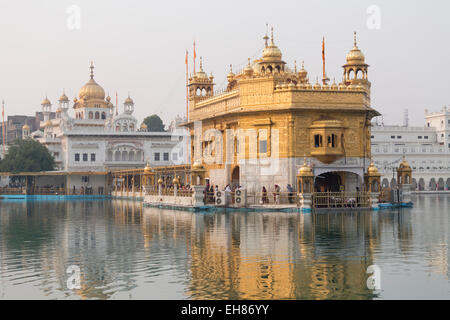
[186, 60]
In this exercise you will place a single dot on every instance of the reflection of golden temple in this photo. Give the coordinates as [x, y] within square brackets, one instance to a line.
[266, 259]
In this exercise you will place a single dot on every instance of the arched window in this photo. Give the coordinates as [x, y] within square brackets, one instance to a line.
[131, 156]
[91, 115]
[117, 156]
[131, 127]
[278, 69]
[103, 115]
[124, 156]
[109, 155]
[97, 115]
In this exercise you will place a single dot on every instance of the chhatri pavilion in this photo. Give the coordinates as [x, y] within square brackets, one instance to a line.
[270, 118]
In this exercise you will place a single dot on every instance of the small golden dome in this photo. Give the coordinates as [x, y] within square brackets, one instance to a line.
[317, 85]
[271, 52]
[305, 170]
[160, 181]
[372, 170]
[26, 127]
[45, 102]
[404, 164]
[63, 98]
[197, 165]
[143, 126]
[147, 168]
[129, 100]
[58, 110]
[48, 123]
[334, 86]
[303, 73]
[248, 70]
[355, 56]
[108, 98]
[230, 75]
[175, 181]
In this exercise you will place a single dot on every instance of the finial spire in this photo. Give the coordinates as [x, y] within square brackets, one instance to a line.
[231, 68]
[303, 64]
[266, 37]
[92, 69]
[249, 61]
[354, 39]
[295, 66]
[271, 35]
[201, 65]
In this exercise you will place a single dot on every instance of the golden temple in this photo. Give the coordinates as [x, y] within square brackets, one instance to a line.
[258, 131]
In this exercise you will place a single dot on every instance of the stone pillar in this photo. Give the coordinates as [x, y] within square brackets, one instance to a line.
[373, 198]
[160, 187]
[198, 195]
[305, 201]
[406, 194]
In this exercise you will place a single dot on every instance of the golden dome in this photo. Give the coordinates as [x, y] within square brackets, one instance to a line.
[305, 170]
[404, 164]
[129, 100]
[147, 168]
[201, 74]
[58, 110]
[108, 98]
[26, 127]
[355, 56]
[48, 123]
[160, 181]
[91, 90]
[143, 126]
[45, 102]
[303, 73]
[372, 170]
[248, 70]
[175, 181]
[271, 52]
[63, 98]
[197, 165]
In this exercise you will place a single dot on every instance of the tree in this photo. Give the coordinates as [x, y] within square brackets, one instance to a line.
[154, 123]
[27, 156]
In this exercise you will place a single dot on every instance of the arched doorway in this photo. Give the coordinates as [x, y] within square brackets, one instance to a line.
[235, 177]
[421, 184]
[441, 184]
[330, 181]
[433, 184]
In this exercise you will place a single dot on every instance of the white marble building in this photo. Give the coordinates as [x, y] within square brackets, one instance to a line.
[427, 149]
[98, 139]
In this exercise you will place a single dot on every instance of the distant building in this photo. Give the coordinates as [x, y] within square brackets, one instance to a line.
[427, 150]
[14, 125]
[98, 140]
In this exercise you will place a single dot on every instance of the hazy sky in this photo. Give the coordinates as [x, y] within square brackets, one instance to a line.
[139, 47]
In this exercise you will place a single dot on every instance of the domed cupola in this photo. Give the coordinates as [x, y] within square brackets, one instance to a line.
[271, 52]
[355, 70]
[91, 90]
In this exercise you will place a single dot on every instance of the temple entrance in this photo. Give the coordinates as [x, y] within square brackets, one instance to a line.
[235, 177]
[328, 182]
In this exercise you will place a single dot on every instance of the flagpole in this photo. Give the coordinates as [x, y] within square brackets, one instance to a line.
[187, 104]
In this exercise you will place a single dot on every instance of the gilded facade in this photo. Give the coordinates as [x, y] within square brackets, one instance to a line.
[258, 131]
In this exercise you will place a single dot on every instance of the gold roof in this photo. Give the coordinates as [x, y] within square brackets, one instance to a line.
[91, 90]
[48, 123]
[201, 74]
[45, 101]
[143, 126]
[355, 56]
[372, 170]
[26, 127]
[305, 170]
[271, 52]
[129, 100]
[63, 98]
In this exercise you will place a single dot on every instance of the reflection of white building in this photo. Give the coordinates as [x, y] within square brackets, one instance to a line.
[96, 139]
[427, 149]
